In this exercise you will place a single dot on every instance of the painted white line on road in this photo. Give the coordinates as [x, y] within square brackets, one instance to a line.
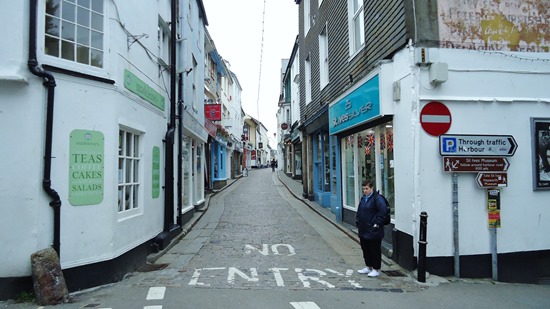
[305, 305]
[152, 307]
[156, 293]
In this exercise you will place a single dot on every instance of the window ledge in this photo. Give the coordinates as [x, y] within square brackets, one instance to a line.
[14, 78]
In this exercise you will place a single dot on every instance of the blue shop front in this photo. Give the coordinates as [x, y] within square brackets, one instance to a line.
[363, 146]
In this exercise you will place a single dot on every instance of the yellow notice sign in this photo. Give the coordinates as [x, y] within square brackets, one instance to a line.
[493, 207]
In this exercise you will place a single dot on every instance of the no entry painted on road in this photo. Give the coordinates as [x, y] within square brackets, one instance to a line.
[435, 118]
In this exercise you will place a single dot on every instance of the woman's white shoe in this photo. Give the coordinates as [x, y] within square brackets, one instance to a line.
[365, 270]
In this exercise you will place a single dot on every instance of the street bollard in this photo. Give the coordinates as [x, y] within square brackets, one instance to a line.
[422, 247]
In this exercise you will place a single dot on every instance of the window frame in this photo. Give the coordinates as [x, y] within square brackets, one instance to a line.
[307, 16]
[136, 183]
[72, 65]
[307, 68]
[353, 15]
[323, 58]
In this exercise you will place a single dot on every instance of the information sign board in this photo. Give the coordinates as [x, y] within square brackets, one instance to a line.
[492, 180]
[477, 145]
[475, 164]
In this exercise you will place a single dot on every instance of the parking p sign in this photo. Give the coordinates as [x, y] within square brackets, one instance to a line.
[448, 144]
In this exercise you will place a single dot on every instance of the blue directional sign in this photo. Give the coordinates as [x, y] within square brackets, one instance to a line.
[477, 145]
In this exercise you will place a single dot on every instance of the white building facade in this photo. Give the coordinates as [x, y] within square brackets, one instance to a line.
[487, 94]
[191, 75]
[91, 87]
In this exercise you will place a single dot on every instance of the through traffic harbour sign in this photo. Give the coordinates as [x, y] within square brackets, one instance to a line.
[477, 145]
[492, 180]
[435, 118]
[475, 164]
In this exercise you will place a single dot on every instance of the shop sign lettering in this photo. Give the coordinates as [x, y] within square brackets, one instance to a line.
[86, 167]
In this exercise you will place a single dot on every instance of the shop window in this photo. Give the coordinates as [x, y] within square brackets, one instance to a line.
[386, 164]
[348, 170]
[186, 143]
[326, 162]
[368, 155]
[366, 144]
[333, 145]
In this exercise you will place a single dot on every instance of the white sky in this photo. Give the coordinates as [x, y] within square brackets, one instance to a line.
[236, 28]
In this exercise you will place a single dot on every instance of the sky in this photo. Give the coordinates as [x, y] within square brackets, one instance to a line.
[236, 28]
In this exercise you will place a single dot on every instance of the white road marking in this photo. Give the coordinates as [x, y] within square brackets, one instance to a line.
[278, 276]
[234, 271]
[156, 293]
[152, 307]
[305, 278]
[305, 305]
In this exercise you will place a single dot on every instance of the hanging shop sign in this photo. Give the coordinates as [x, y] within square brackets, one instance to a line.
[213, 112]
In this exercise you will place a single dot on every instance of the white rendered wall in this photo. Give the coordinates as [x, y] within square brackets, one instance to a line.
[90, 233]
[487, 93]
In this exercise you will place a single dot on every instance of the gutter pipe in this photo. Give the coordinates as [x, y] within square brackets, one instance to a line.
[49, 83]
[180, 150]
[170, 133]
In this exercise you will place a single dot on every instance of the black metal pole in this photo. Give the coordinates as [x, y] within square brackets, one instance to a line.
[422, 247]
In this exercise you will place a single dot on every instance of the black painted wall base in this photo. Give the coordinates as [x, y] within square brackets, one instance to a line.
[518, 267]
[87, 276]
[219, 184]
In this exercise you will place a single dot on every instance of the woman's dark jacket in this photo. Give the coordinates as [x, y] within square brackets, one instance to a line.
[369, 213]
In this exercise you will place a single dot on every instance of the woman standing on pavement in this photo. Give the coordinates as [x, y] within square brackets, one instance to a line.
[369, 222]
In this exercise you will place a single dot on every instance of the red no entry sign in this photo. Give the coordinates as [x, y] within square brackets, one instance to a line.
[435, 118]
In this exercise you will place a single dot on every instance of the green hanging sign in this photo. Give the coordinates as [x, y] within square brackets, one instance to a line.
[139, 87]
[86, 167]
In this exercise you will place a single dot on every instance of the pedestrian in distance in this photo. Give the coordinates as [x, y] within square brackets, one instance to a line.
[370, 216]
[273, 165]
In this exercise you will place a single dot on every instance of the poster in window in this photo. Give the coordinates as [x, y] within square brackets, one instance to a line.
[540, 136]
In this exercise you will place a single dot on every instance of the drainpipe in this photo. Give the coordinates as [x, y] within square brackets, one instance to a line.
[49, 83]
[180, 149]
[169, 139]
